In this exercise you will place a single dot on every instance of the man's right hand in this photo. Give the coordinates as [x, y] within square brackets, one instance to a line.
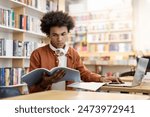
[55, 77]
[113, 79]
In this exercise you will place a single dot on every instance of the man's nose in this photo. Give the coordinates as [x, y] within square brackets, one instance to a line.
[59, 38]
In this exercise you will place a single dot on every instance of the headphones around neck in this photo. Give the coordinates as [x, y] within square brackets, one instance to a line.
[60, 52]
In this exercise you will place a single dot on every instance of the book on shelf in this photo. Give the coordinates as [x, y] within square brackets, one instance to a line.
[11, 76]
[17, 48]
[7, 17]
[9, 47]
[93, 38]
[6, 47]
[100, 48]
[124, 47]
[113, 36]
[120, 47]
[36, 75]
[125, 36]
[27, 22]
[51, 5]
[44, 5]
[114, 47]
[29, 46]
[92, 48]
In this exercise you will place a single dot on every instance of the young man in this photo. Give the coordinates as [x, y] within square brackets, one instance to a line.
[56, 26]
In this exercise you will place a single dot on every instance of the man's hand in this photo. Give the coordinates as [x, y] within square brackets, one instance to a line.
[55, 77]
[112, 79]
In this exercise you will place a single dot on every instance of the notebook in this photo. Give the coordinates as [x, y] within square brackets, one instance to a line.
[138, 76]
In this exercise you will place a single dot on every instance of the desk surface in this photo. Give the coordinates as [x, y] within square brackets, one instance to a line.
[78, 95]
[143, 88]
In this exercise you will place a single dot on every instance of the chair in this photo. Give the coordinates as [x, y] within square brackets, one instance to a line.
[128, 73]
[131, 73]
[148, 66]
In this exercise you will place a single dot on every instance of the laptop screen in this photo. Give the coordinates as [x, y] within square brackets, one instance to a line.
[140, 71]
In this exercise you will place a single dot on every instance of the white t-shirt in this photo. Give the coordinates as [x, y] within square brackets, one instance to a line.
[61, 52]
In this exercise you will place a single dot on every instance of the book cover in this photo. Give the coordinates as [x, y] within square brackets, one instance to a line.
[35, 76]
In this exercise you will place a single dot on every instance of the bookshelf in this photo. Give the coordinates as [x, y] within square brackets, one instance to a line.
[104, 33]
[105, 38]
[20, 34]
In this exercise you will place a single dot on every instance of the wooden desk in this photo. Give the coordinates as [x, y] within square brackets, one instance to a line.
[78, 95]
[143, 88]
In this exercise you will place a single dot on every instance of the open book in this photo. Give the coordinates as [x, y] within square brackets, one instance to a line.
[35, 76]
[92, 86]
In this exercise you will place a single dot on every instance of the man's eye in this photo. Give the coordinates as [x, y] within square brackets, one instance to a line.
[54, 35]
[63, 34]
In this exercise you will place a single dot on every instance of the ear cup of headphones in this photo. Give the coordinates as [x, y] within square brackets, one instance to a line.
[60, 52]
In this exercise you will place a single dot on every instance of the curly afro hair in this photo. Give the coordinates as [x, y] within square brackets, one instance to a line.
[56, 18]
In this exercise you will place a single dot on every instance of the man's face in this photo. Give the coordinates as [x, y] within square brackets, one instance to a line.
[58, 36]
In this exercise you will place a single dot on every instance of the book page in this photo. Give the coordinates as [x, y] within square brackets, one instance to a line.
[93, 86]
[70, 74]
[35, 76]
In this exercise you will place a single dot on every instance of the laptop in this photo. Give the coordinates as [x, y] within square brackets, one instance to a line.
[138, 76]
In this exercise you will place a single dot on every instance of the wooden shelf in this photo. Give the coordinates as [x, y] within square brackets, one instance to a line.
[88, 54]
[97, 21]
[13, 4]
[101, 31]
[14, 30]
[111, 41]
[14, 57]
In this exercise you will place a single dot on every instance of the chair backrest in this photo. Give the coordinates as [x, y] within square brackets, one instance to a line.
[128, 73]
[131, 73]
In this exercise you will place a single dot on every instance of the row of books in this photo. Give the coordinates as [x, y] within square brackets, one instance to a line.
[120, 47]
[103, 37]
[10, 47]
[10, 18]
[100, 61]
[43, 5]
[103, 15]
[100, 48]
[51, 5]
[11, 76]
[99, 26]
[108, 37]
[120, 36]
[27, 22]
[7, 17]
